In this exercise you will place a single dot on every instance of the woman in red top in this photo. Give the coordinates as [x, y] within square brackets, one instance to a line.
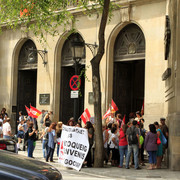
[123, 144]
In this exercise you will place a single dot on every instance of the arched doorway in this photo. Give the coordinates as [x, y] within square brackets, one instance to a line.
[27, 77]
[67, 71]
[129, 69]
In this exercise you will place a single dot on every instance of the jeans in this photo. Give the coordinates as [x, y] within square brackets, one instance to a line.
[152, 157]
[50, 153]
[30, 148]
[122, 152]
[58, 150]
[135, 149]
[44, 147]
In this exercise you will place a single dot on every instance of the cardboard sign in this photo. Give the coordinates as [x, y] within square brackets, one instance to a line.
[74, 147]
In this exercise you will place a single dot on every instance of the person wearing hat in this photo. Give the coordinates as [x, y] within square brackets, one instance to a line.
[7, 129]
[165, 132]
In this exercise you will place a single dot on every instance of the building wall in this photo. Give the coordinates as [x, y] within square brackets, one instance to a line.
[172, 87]
[148, 15]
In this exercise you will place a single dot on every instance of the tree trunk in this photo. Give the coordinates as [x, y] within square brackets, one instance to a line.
[95, 62]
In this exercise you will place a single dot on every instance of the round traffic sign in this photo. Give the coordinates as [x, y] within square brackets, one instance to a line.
[75, 82]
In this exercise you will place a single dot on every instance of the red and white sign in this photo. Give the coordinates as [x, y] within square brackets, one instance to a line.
[75, 82]
[85, 116]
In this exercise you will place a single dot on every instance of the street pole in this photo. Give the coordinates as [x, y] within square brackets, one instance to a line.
[76, 100]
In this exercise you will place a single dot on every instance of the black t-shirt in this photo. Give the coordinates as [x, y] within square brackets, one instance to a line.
[33, 137]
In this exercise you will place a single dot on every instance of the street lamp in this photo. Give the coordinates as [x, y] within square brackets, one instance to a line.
[78, 53]
[33, 54]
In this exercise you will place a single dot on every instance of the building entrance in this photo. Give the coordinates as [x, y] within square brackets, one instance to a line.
[128, 85]
[68, 104]
[26, 89]
[129, 69]
[27, 77]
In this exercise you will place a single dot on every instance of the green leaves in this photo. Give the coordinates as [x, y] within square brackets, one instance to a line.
[43, 15]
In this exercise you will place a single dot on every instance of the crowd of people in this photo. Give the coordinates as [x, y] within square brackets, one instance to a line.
[131, 140]
[121, 139]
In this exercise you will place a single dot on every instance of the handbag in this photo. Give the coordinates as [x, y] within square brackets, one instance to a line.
[158, 141]
[164, 140]
[141, 140]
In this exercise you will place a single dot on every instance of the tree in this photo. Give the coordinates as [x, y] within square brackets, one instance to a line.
[47, 15]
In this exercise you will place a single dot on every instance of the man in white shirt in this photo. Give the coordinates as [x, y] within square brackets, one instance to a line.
[7, 129]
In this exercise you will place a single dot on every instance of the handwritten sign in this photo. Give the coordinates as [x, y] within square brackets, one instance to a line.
[74, 147]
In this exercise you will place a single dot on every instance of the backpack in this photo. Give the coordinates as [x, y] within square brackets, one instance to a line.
[132, 138]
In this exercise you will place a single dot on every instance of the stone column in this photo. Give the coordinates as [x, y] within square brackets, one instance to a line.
[173, 86]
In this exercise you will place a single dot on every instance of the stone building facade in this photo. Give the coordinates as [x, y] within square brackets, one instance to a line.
[130, 70]
[172, 85]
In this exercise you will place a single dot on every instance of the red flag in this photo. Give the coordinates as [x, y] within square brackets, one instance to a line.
[142, 109]
[114, 108]
[108, 112]
[123, 121]
[28, 111]
[35, 112]
[85, 116]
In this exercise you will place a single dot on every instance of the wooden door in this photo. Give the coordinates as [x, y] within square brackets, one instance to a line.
[27, 80]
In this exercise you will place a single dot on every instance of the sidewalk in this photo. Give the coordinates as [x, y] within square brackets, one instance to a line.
[111, 172]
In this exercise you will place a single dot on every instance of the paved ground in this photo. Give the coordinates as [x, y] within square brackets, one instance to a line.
[108, 172]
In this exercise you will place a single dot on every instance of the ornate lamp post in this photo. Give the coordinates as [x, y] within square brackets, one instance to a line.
[77, 47]
[78, 50]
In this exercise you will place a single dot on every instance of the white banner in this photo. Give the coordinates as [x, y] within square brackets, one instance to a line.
[74, 146]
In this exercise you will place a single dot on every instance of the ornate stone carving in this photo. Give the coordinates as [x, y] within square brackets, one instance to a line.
[125, 14]
[130, 43]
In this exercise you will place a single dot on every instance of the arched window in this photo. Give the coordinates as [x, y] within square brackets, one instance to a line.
[129, 44]
[67, 59]
[24, 55]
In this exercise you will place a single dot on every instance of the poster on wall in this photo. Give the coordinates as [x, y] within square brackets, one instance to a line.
[74, 147]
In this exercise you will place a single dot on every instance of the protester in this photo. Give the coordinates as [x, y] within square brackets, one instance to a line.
[90, 129]
[131, 117]
[44, 137]
[20, 134]
[31, 133]
[42, 118]
[58, 133]
[78, 124]
[4, 113]
[150, 145]
[7, 129]
[1, 130]
[109, 137]
[1, 118]
[111, 118]
[123, 144]
[21, 117]
[165, 132]
[71, 122]
[142, 136]
[160, 146]
[114, 141]
[138, 116]
[132, 135]
[51, 142]
[105, 142]
[46, 118]
[119, 119]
